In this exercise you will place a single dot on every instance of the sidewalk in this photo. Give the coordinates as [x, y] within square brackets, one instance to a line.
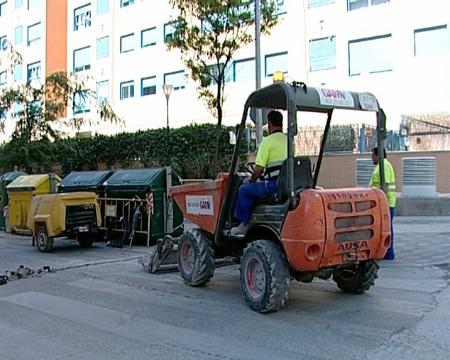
[421, 240]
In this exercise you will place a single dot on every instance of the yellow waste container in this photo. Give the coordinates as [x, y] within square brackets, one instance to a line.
[21, 191]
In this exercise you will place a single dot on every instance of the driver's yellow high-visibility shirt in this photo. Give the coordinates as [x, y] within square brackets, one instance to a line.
[389, 178]
[272, 150]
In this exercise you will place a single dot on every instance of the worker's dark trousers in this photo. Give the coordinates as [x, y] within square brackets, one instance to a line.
[248, 193]
[390, 252]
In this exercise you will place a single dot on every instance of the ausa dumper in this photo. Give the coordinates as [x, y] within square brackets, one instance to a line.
[302, 231]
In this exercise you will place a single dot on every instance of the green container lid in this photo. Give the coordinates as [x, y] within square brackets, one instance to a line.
[84, 181]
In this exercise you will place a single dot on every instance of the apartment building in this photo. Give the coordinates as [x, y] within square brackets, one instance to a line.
[397, 49]
[37, 30]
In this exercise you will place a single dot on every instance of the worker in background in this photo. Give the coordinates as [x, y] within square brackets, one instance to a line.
[271, 154]
[390, 191]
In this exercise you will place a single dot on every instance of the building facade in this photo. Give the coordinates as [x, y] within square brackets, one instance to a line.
[36, 29]
[397, 49]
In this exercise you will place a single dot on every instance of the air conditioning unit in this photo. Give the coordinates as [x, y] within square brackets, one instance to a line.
[364, 169]
[419, 176]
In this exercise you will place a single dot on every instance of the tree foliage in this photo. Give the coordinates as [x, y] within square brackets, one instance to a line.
[39, 110]
[208, 33]
[185, 149]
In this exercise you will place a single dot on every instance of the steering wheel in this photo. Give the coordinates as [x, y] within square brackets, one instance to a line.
[249, 167]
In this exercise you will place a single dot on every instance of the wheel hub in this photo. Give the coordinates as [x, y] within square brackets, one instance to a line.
[187, 257]
[255, 277]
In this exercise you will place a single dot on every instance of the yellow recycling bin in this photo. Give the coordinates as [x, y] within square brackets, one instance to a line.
[21, 191]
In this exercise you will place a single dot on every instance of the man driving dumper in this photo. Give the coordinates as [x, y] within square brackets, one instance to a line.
[271, 154]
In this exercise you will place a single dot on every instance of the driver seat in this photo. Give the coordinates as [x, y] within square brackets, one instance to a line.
[302, 180]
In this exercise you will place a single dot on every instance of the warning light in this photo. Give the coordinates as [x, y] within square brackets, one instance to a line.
[278, 76]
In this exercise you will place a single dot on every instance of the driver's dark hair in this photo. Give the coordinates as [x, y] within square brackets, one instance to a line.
[375, 152]
[276, 118]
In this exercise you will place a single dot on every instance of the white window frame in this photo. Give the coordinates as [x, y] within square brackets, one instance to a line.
[371, 54]
[105, 53]
[127, 37]
[267, 66]
[35, 39]
[175, 78]
[127, 90]
[82, 16]
[330, 63]
[35, 70]
[81, 67]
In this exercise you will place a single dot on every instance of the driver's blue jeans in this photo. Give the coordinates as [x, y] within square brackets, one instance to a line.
[248, 194]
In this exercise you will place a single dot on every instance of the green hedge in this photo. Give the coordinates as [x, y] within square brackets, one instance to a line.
[189, 150]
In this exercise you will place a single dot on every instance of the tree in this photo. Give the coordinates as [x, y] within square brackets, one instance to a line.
[208, 33]
[39, 111]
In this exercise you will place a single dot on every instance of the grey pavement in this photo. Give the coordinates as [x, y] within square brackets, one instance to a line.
[102, 305]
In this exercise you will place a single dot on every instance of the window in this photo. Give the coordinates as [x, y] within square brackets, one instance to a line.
[370, 55]
[33, 71]
[126, 90]
[103, 92]
[281, 7]
[102, 7]
[214, 74]
[244, 70]
[322, 54]
[82, 17]
[3, 43]
[358, 4]
[431, 41]
[169, 30]
[33, 3]
[276, 62]
[125, 3]
[2, 78]
[316, 3]
[127, 43]
[148, 37]
[3, 8]
[81, 102]
[103, 47]
[34, 34]
[17, 72]
[18, 4]
[18, 35]
[176, 79]
[148, 86]
[81, 59]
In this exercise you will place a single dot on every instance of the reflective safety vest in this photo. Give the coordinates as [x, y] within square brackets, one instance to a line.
[389, 178]
[271, 154]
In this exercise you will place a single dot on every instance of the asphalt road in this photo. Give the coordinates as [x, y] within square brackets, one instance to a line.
[100, 304]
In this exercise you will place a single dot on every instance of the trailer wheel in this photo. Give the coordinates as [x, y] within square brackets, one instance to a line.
[85, 240]
[43, 241]
[358, 279]
[264, 276]
[195, 258]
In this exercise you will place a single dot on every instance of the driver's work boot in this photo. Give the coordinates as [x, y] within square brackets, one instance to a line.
[239, 230]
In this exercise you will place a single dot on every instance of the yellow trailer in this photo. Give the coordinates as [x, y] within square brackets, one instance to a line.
[21, 191]
[75, 214]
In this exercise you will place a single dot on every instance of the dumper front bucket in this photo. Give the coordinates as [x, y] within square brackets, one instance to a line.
[201, 202]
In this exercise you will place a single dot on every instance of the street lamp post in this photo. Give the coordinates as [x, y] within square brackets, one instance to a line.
[258, 122]
[167, 89]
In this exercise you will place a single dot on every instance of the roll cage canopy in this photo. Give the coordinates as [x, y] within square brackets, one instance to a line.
[299, 97]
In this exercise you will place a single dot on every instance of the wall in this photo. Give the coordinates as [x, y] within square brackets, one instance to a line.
[339, 171]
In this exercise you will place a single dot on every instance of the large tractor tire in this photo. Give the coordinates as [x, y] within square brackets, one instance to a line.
[358, 279]
[195, 258]
[85, 240]
[265, 276]
[43, 241]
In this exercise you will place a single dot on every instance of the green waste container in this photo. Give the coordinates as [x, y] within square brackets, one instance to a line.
[5, 180]
[135, 185]
[85, 181]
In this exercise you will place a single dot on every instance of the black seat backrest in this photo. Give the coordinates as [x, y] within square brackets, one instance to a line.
[302, 177]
